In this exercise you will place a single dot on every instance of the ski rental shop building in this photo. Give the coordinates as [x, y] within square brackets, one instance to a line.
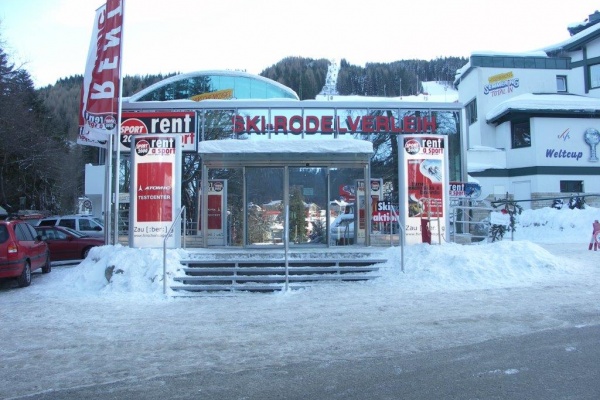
[533, 119]
[280, 170]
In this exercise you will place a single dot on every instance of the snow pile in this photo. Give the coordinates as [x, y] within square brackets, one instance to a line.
[458, 267]
[550, 225]
[133, 272]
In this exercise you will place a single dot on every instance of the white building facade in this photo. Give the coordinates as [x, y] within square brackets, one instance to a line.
[533, 120]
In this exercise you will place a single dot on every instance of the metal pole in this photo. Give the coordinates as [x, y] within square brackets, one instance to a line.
[165, 266]
[118, 135]
[391, 225]
[286, 223]
[401, 248]
[286, 235]
[107, 191]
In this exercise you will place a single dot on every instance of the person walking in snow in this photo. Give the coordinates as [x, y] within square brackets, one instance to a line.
[595, 235]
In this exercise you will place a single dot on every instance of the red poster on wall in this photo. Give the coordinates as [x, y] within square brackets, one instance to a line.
[425, 188]
[423, 179]
[155, 191]
[215, 218]
[216, 212]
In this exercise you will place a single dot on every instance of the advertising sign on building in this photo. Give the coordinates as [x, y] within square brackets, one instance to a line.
[463, 191]
[154, 192]
[423, 180]
[216, 234]
[376, 195]
[181, 123]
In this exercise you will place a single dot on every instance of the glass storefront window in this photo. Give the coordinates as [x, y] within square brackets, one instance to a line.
[202, 86]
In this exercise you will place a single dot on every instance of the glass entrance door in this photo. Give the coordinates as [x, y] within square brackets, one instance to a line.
[308, 205]
[270, 189]
[264, 205]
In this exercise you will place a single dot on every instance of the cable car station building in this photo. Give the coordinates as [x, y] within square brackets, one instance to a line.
[259, 168]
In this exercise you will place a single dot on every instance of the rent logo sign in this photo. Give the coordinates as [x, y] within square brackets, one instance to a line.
[179, 122]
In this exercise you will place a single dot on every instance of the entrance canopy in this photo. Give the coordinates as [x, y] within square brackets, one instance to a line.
[323, 152]
[283, 157]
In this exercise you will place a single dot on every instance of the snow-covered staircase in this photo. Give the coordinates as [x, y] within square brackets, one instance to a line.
[267, 273]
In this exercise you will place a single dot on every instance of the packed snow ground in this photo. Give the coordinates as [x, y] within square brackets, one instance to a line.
[72, 328]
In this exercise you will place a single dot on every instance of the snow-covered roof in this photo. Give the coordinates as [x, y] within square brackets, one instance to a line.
[565, 103]
[576, 40]
[571, 43]
[463, 71]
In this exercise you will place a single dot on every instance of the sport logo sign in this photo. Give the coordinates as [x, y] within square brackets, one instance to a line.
[412, 146]
[130, 127]
[142, 147]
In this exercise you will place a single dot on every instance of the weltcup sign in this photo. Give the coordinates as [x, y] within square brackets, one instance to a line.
[154, 191]
[501, 84]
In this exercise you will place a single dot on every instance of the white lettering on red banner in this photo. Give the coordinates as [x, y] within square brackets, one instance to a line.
[99, 103]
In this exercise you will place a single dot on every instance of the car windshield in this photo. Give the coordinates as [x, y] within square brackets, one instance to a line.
[99, 221]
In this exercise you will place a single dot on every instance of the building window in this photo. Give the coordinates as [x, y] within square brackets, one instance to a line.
[471, 109]
[571, 186]
[520, 134]
[595, 76]
[561, 83]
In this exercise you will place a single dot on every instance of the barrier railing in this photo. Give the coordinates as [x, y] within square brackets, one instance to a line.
[462, 219]
[169, 233]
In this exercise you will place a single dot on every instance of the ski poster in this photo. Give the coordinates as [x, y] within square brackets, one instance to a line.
[423, 177]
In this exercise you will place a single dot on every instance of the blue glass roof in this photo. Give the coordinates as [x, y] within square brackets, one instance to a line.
[221, 85]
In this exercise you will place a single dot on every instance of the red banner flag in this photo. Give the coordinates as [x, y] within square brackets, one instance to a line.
[99, 105]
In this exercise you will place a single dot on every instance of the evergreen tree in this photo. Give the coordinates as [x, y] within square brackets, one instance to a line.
[30, 151]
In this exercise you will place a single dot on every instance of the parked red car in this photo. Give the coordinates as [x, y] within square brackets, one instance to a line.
[21, 251]
[66, 243]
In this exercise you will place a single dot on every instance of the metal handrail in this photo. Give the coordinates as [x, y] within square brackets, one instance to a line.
[400, 238]
[468, 222]
[582, 195]
[169, 232]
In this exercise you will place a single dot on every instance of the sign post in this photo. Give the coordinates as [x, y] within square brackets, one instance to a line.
[155, 193]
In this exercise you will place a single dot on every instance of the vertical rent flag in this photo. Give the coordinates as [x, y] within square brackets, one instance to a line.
[100, 94]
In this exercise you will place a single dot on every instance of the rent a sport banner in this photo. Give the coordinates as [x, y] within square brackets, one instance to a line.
[217, 212]
[360, 205]
[424, 178]
[181, 123]
[100, 93]
[154, 192]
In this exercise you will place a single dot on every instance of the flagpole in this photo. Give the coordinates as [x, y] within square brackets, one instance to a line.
[97, 104]
[107, 191]
[118, 135]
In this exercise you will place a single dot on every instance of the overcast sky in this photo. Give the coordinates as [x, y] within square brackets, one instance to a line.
[51, 37]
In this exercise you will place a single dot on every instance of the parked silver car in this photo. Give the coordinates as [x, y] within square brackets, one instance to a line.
[341, 230]
[87, 224]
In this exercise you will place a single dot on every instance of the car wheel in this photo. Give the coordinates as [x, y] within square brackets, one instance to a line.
[25, 278]
[85, 253]
[47, 266]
